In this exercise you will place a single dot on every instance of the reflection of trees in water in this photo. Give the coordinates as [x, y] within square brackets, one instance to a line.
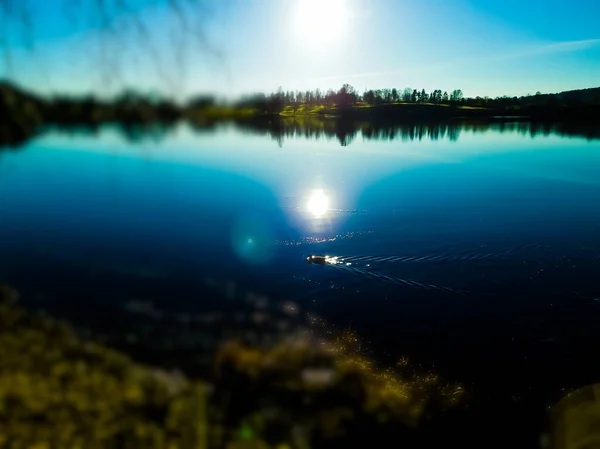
[567, 129]
[133, 133]
[139, 133]
[346, 131]
[280, 130]
[315, 129]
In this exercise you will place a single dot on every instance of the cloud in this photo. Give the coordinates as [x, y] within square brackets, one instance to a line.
[521, 52]
[543, 49]
[399, 71]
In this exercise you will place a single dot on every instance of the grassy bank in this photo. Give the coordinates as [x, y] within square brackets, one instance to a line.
[363, 108]
[402, 112]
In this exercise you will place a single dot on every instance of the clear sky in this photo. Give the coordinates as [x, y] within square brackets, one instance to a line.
[484, 47]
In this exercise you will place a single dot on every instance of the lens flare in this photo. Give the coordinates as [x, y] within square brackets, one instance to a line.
[252, 239]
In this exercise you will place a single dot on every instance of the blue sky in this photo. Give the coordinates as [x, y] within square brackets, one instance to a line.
[484, 47]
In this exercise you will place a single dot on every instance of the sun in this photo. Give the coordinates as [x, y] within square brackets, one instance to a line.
[320, 21]
[318, 203]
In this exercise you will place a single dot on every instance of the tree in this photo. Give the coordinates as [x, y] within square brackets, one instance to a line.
[379, 96]
[293, 101]
[346, 96]
[201, 101]
[369, 97]
[318, 97]
[434, 96]
[276, 101]
[407, 94]
[330, 98]
[394, 95]
[423, 97]
[456, 96]
[387, 95]
[445, 97]
[352, 94]
[414, 96]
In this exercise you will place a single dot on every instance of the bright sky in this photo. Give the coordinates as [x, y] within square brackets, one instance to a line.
[484, 47]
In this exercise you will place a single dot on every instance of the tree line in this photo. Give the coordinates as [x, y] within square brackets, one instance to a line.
[348, 96]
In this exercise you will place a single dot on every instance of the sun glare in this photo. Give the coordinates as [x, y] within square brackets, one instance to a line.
[320, 21]
[318, 203]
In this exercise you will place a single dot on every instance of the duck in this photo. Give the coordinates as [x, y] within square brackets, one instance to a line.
[317, 260]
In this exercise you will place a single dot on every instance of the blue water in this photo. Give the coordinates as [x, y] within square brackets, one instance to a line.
[91, 220]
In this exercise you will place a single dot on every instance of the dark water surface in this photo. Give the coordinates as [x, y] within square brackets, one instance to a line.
[495, 229]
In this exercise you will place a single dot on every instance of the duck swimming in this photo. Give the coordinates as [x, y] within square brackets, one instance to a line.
[323, 260]
[317, 260]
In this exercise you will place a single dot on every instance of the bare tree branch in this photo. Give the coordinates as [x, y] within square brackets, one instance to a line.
[117, 27]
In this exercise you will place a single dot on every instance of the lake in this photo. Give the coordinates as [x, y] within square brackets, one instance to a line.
[473, 248]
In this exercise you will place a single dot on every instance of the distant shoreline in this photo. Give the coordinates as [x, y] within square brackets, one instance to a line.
[407, 112]
[29, 114]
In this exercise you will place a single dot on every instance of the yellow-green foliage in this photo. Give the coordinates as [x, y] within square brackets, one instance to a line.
[302, 110]
[403, 393]
[58, 391]
[477, 108]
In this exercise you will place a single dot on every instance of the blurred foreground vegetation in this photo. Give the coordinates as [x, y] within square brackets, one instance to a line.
[58, 390]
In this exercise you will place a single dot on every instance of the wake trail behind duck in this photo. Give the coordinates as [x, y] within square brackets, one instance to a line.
[441, 257]
[403, 282]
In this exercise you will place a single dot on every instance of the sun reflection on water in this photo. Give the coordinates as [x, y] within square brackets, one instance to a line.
[318, 203]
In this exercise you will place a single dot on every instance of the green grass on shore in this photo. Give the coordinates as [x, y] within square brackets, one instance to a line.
[303, 110]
